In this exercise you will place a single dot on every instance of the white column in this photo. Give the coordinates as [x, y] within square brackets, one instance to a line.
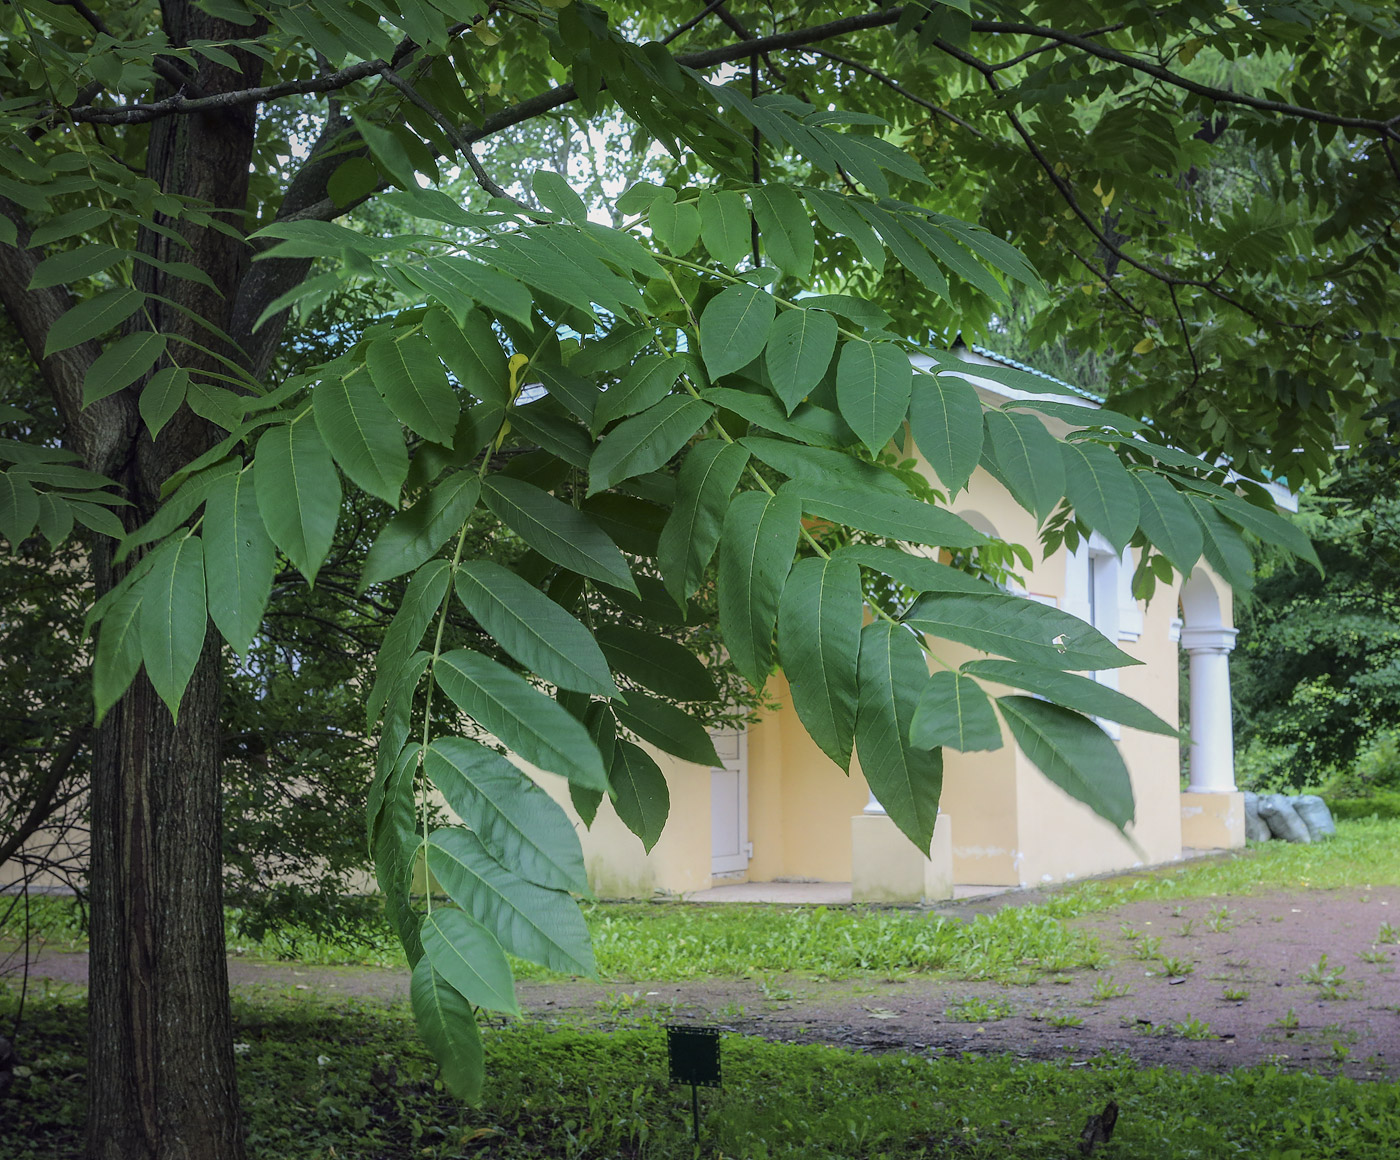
[1212, 734]
[873, 806]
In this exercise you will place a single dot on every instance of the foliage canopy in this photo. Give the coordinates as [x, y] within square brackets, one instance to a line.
[658, 402]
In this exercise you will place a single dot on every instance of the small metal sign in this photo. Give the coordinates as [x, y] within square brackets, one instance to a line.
[694, 1053]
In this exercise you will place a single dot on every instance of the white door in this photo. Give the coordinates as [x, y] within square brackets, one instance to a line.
[729, 804]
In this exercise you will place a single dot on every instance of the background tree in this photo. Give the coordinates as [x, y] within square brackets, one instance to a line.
[144, 147]
[1318, 678]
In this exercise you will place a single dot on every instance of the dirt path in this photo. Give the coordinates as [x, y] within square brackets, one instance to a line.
[1257, 990]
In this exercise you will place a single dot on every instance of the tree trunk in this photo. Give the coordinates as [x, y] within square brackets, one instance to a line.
[160, 1063]
[161, 1081]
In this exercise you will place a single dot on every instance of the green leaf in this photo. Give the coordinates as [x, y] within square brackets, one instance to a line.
[819, 620]
[525, 721]
[615, 349]
[534, 629]
[472, 353]
[1016, 627]
[1269, 526]
[386, 149]
[586, 803]
[520, 824]
[1074, 753]
[1166, 521]
[646, 383]
[706, 480]
[671, 730]
[543, 926]
[906, 781]
[725, 226]
[555, 193]
[820, 466]
[640, 794]
[55, 518]
[161, 397]
[174, 617]
[74, 265]
[676, 225]
[655, 663]
[415, 535]
[786, 228]
[1098, 489]
[121, 364]
[899, 517]
[917, 572]
[448, 1027]
[1224, 548]
[953, 711]
[239, 560]
[646, 441]
[92, 317]
[67, 225]
[945, 418]
[799, 350]
[469, 958]
[557, 531]
[808, 424]
[362, 433]
[118, 656]
[734, 328]
[1027, 459]
[421, 601]
[407, 373]
[1081, 694]
[298, 493]
[19, 508]
[873, 385]
[755, 555]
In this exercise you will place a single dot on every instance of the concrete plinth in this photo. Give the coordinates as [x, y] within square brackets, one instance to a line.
[1212, 821]
[887, 867]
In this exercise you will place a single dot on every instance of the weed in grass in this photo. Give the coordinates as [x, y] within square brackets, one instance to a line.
[1187, 929]
[1322, 974]
[1288, 1021]
[1340, 1053]
[1388, 933]
[1178, 911]
[1193, 1028]
[1175, 968]
[774, 992]
[1129, 931]
[1060, 1019]
[1147, 947]
[978, 1010]
[1106, 989]
[1220, 921]
[1234, 995]
[1373, 956]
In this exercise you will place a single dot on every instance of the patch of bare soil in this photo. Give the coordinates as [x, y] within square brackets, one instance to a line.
[1251, 985]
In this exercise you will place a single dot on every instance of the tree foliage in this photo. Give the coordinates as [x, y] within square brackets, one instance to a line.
[1317, 670]
[679, 401]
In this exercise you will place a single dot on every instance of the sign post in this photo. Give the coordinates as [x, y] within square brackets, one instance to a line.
[694, 1057]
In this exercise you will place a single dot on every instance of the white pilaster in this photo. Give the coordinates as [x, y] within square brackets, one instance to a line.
[1212, 741]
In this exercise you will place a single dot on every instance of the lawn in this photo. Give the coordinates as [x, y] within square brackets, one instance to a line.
[323, 1080]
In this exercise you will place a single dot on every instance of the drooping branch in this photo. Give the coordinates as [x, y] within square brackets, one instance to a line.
[890, 83]
[45, 799]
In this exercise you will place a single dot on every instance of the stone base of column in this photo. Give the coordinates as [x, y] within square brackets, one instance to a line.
[1212, 821]
[887, 867]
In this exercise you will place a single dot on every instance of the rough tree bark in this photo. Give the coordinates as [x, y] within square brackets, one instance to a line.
[160, 1073]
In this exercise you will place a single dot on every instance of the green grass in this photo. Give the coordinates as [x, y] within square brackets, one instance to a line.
[319, 1081]
[681, 941]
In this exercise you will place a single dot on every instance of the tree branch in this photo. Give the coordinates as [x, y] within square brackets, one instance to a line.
[891, 83]
[45, 795]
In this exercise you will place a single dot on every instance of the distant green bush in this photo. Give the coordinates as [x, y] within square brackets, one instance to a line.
[1381, 805]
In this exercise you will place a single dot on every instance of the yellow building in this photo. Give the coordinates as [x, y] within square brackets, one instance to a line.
[780, 810]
